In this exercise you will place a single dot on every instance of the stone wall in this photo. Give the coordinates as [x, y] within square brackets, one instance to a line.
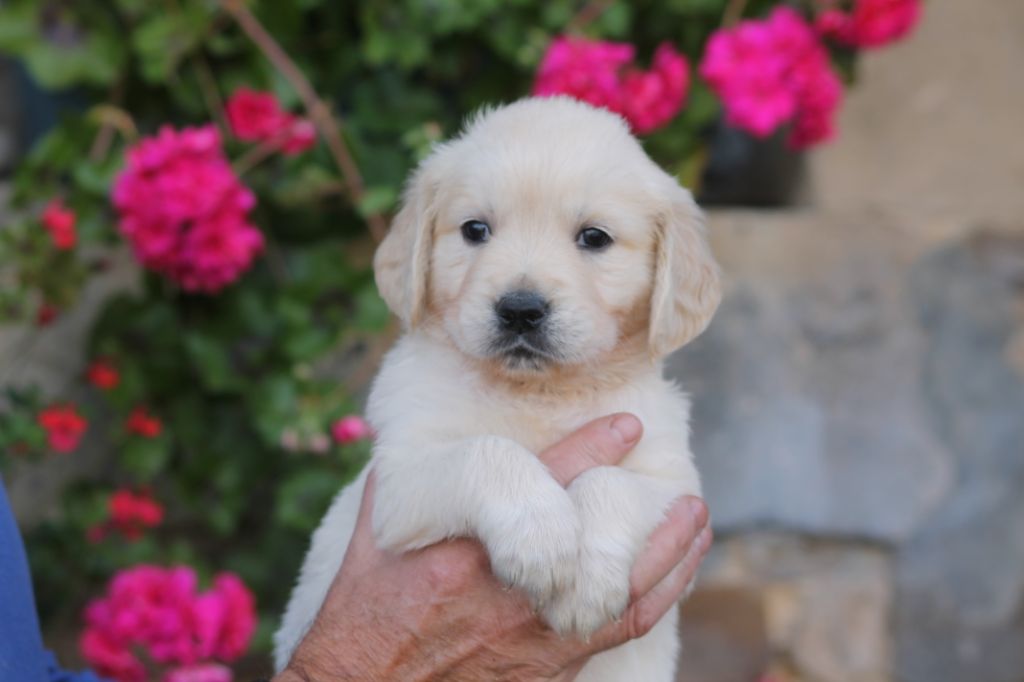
[859, 398]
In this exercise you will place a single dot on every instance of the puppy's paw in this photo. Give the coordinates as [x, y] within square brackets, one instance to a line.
[599, 595]
[534, 544]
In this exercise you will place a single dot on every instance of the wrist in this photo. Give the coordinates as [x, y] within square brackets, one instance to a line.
[310, 664]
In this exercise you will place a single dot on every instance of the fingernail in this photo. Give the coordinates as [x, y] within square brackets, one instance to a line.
[627, 426]
[698, 510]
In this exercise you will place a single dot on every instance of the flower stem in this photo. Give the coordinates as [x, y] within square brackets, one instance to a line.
[211, 95]
[587, 15]
[256, 155]
[315, 107]
[105, 136]
[733, 12]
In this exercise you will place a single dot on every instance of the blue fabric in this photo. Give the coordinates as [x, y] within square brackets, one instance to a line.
[22, 656]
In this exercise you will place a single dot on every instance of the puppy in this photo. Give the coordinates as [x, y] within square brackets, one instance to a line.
[542, 266]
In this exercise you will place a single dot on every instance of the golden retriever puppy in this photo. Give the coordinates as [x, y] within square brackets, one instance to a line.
[542, 266]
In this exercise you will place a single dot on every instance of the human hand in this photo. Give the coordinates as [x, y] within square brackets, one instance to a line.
[439, 613]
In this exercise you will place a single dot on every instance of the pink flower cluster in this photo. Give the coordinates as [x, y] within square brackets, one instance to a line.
[59, 221]
[870, 23]
[184, 210]
[258, 117]
[130, 514]
[600, 73]
[159, 611]
[64, 427]
[771, 72]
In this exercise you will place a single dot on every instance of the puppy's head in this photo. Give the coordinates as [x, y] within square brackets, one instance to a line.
[543, 236]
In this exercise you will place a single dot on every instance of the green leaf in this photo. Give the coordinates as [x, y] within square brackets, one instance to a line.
[378, 200]
[372, 313]
[17, 28]
[274, 404]
[145, 458]
[96, 178]
[616, 20]
[90, 55]
[304, 498]
[163, 40]
[210, 358]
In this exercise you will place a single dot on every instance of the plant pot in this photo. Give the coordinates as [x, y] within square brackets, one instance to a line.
[743, 170]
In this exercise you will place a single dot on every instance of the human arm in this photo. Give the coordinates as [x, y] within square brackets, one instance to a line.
[439, 613]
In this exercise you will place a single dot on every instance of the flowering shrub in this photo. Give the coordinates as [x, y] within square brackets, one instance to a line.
[241, 175]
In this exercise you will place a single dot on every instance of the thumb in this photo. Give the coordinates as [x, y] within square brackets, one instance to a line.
[602, 442]
[363, 544]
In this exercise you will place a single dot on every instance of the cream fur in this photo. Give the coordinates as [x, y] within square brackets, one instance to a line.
[458, 429]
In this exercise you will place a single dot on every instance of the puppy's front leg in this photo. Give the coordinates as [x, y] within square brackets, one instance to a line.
[490, 488]
[618, 510]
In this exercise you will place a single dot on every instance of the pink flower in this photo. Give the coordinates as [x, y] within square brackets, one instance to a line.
[240, 616]
[254, 115]
[184, 210]
[588, 70]
[132, 513]
[60, 223]
[149, 607]
[46, 314]
[102, 374]
[258, 117]
[159, 612]
[64, 427]
[141, 423]
[350, 429]
[871, 23]
[206, 672]
[319, 443]
[771, 72]
[290, 440]
[109, 658]
[652, 98]
[300, 137]
[599, 73]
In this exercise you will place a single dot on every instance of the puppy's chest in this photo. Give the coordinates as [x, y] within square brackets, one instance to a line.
[532, 422]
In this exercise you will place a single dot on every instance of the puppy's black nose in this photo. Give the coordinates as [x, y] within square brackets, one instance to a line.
[521, 311]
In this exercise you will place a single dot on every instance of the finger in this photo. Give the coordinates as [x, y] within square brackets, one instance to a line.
[602, 442]
[668, 544]
[363, 542]
[645, 613]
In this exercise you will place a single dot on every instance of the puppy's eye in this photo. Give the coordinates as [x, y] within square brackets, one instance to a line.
[593, 239]
[476, 231]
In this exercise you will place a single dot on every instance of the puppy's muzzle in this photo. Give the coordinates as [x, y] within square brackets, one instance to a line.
[521, 312]
[521, 329]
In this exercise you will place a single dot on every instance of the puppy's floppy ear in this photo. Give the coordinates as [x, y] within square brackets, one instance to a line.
[686, 288]
[402, 262]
